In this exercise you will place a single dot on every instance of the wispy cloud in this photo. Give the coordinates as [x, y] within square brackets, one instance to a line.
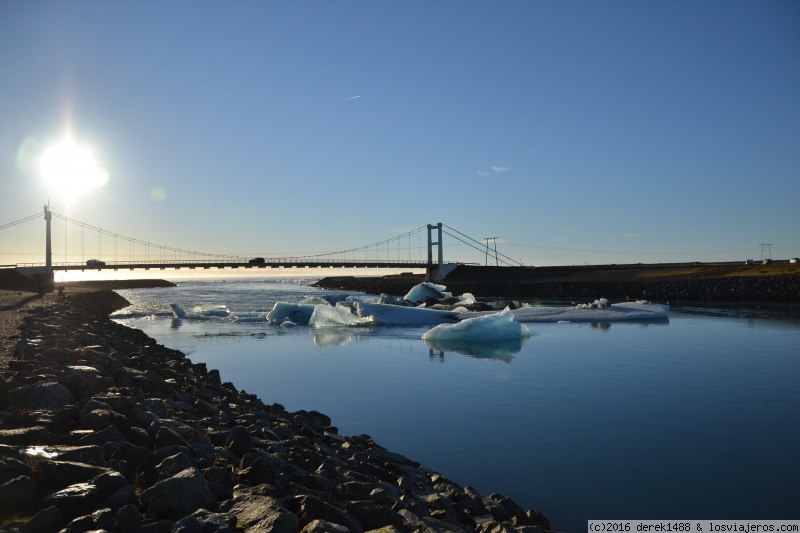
[633, 234]
[353, 97]
[537, 148]
[501, 169]
[482, 173]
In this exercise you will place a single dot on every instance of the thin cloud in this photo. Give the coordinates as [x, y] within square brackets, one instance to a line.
[353, 97]
[501, 169]
[482, 173]
[633, 234]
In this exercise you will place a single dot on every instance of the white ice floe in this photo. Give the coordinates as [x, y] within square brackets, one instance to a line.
[326, 316]
[297, 313]
[487, 327]
[397, 315]
[200, 311]
[427, 290]
[640, 310]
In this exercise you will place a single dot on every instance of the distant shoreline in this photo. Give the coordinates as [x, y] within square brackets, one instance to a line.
[589, 283]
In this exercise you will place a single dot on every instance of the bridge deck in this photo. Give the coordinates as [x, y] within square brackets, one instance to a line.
[177, 265]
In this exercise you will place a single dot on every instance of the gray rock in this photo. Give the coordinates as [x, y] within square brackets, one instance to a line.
[174, 464]
[25, 436]
[122, 497]
[83, 498]
[47, 395]
[259, 468]
[202, 521]
[129, 518]
[313, 508]
[12, 468]
[321, 526]
[45, 521]
[55, 475]
[372, 516]
[92, 455]
[79, 386]
[19, 497]
[178, 496]
[239, 441]
[166, 436]
[99, 438]
[255, 512]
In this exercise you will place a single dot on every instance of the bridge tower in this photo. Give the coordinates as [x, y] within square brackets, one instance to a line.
[434, 272]
[45, 279]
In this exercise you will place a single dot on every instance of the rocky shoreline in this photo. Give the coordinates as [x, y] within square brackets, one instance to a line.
[104, 429]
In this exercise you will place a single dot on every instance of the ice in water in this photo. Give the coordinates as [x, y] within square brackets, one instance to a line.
[492, 327]
[326, 316]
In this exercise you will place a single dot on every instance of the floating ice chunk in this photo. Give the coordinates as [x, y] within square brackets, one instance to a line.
[614, 313]
[211, 311]
[396, 315]
[200, 312]
[466, 299]
[602, 303]
[297, 313]
[251, 317]
[325, 316]
[288, 324]
[491, 327]
[427, 290]
[314, 300]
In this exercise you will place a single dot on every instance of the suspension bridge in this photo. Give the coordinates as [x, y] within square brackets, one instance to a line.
[113, 251]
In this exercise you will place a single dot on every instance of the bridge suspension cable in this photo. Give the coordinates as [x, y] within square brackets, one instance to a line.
[481, 247]
[133, 241]
[20, 221]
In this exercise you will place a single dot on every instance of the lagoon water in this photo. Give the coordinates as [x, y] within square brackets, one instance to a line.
[694, 417]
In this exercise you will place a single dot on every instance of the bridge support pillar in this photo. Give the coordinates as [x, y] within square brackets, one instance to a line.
[46, 278]
[434, 272]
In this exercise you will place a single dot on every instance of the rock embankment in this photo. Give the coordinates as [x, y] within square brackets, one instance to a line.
[104, 429]
[728, 289]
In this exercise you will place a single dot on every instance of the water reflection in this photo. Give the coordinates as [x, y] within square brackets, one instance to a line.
[504, 350]
[326, 337]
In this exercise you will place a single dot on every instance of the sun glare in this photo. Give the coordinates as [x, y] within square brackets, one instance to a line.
[71, 169]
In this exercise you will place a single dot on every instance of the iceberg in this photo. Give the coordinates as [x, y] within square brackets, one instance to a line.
[639, 310]
[297, 313]
[426, 290]
[489, 327]
[397, 315]
[326, 316]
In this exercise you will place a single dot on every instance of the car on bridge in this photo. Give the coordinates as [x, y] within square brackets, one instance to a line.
[257, 261]
[95, 263]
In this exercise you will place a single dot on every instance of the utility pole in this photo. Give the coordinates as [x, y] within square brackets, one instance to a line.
[768, 248]
[494, 240]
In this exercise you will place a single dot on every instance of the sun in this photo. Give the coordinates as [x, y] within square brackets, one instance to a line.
[71, 169]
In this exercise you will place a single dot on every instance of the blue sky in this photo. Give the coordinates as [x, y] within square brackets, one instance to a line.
[600, 132]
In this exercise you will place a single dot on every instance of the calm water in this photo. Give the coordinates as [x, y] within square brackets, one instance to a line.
[694, 417]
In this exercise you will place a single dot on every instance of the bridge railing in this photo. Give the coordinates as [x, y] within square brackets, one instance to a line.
[233, 261]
